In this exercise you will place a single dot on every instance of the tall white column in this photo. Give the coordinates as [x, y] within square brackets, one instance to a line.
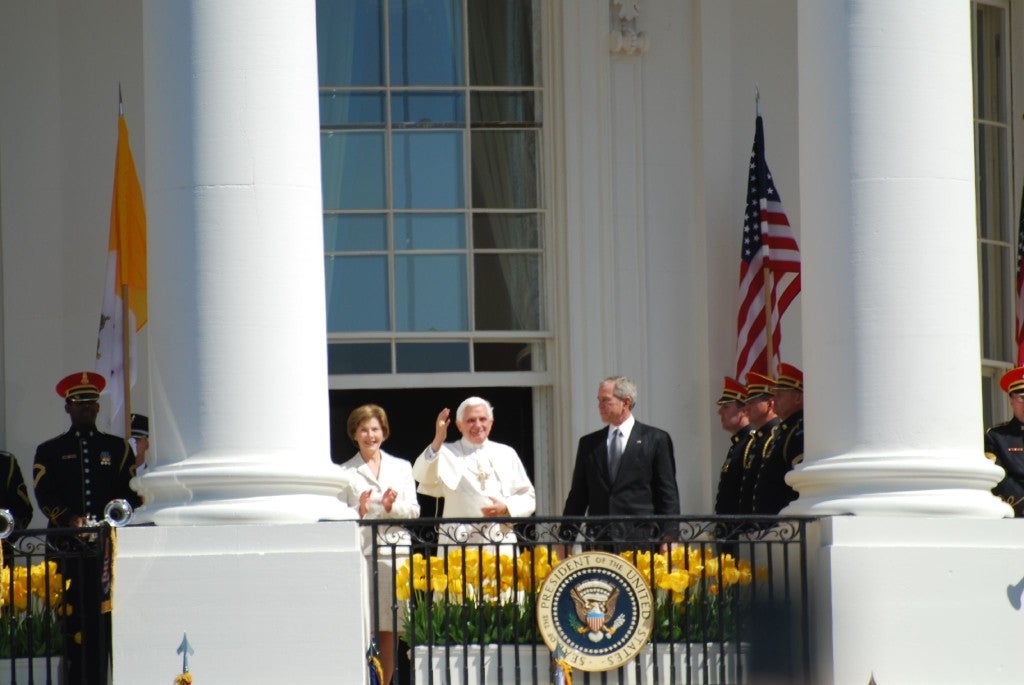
[237, 330]
[890, 284]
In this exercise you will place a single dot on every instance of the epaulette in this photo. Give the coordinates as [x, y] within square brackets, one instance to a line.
[998, 425]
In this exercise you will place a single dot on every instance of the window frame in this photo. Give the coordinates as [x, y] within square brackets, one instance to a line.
[542, 340]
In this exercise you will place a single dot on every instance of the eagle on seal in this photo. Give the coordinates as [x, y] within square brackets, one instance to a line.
[593, 612]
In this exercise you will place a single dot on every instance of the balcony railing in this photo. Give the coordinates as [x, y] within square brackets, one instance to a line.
[55, 601]
[729, 599]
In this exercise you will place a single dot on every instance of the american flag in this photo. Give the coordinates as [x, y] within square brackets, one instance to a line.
[768, 243]
[1020, 284]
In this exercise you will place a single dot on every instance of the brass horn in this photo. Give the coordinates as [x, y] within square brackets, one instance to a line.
[118, 513]
[6, 524]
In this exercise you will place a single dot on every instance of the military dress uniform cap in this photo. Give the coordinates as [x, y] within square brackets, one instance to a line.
[81, 386]
[140, 426]
[758, 384]
[1013, 380]
[790, 378]
[732, 391]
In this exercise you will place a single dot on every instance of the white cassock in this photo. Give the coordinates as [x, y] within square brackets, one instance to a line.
[468, 476]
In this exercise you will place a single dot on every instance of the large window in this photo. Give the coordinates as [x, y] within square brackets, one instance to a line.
[995, 198]
[434, 221]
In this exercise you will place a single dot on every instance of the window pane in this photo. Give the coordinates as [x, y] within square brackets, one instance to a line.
[427, 170]
[426, 42]
[993, 217]
[435, 110]
[507, 292]
[352, 170]
[506, 231]
[349, 41]
[430, 293]
[346, 110]
[430, 231]
[990, 63]
[355, 233]
[495, 109]
[995, 287]
[505, 357]
[504, 167]
[357, 293]
[432, 357]
[359, 358]
[501, 45]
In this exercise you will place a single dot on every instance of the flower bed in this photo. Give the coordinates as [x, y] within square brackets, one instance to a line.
[477, 597]
[31, 610]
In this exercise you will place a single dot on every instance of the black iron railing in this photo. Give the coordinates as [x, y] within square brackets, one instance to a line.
[54, 625]
[730, 598]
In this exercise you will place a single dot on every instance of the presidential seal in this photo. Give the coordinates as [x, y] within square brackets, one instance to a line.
[598, 608]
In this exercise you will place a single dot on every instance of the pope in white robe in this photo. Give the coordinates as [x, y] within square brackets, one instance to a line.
[477, 478]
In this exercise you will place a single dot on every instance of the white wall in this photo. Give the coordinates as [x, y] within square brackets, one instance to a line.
[60, 64]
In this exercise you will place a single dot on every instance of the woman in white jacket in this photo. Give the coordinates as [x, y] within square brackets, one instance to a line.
[380, 486]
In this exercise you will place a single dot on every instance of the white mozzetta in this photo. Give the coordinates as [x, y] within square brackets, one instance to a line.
[237, 325]
[890, 295]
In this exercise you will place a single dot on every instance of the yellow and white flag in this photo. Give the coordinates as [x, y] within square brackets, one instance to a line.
[125, 310]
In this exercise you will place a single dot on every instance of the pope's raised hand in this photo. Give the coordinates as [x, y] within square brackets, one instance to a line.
[440, 429]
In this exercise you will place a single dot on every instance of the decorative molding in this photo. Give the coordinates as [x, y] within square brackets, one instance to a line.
[624, 38]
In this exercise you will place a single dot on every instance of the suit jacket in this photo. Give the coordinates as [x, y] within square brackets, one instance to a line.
[644, 485]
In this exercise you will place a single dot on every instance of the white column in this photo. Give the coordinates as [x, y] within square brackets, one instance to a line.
[237, 331]
[890, 283]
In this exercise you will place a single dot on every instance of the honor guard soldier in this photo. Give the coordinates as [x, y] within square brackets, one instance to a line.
[1004, 443]
[79, 472]
[13, 498]
[761, 412]
[76, 475]
[771, 492]
[732, 412]
[13, 492]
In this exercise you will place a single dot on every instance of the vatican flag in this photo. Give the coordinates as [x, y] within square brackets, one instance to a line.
[124, 301]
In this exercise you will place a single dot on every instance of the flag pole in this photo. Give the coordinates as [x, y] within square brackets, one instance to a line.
[126, 322]
[126, 376]
[767, 276]
[767, 272]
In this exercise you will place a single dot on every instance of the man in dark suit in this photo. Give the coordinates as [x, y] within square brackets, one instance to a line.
[626, 469]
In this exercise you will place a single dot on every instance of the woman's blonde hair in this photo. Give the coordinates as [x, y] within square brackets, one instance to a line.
[364, 413]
